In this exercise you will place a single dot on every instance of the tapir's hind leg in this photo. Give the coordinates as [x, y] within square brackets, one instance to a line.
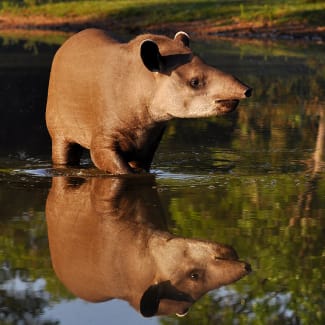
[65, 153]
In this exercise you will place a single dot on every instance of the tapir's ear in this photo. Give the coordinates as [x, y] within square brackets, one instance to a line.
[150, 55]
[183, 37]
[150, 300]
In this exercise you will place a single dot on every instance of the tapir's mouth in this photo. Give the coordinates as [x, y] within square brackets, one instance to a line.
[226, 105]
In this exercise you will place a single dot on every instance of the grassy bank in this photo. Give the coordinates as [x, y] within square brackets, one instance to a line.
[143, 13]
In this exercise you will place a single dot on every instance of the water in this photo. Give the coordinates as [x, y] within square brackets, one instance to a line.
[253, 180]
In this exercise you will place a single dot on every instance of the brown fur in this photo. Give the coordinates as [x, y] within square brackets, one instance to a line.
[108, 239]
[116, 98]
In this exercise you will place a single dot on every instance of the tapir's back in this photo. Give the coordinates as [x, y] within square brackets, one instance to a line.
[73, 86]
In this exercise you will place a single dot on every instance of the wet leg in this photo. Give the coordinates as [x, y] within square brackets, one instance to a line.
[110, 161]
[65, 153]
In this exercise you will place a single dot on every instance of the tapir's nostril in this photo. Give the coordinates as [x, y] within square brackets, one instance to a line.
[248, 268]
[248, 92]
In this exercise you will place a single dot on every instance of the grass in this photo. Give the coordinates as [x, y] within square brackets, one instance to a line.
[143, 13]
[308, 12]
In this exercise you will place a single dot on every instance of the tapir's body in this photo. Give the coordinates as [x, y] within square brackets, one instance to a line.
[115, 98]
[108, 239]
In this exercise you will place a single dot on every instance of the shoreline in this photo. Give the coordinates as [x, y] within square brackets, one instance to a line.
[205, 29]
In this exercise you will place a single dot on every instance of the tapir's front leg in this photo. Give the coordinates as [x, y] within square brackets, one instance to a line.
[106, 155]
[64, 152]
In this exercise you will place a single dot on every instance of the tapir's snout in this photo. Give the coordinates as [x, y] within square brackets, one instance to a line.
[232, 92]
[233, 88]
[241, 91]
[247, 267]
[226, 86]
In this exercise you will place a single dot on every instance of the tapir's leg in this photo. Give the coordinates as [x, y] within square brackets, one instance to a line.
[65, 153]
[110, 161]
[59, 151]
[146, 161]
[143, 165]
[105, 156]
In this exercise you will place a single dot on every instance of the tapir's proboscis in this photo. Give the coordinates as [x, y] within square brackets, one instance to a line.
[107, 241]
[115, 99]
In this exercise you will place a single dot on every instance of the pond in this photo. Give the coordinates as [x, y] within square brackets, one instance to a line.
[254, 180]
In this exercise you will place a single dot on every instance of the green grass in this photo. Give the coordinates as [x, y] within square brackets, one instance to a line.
[142, 13]
[309, 12]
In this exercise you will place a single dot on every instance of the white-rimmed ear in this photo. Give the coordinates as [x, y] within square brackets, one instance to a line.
[183, 37]
[149, 303]
[150, 55]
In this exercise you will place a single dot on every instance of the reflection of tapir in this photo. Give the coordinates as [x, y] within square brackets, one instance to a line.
[115, 99]
[108, 240]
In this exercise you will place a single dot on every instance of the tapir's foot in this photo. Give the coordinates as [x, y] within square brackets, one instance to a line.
[109, 161]
[137, 168]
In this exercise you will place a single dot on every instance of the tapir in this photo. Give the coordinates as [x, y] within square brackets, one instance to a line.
[115, 99]
[108, 239]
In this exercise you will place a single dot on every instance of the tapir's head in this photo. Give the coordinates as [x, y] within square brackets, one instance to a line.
[186, 86]
[186, 270]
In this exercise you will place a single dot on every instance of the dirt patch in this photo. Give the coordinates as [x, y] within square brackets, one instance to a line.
[44, 23]
[208, 29]
[197, 29]
[284, 32]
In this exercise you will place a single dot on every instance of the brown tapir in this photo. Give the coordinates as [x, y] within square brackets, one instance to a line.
[108, 239]
[116, 98]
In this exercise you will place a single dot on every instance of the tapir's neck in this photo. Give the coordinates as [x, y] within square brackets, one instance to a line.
[127, 269]
[139, 269]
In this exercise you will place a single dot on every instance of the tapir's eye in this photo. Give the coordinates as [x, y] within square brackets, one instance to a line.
[195, 83]
[194, 275]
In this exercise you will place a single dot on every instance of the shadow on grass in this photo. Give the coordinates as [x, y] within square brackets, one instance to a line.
[310, 17]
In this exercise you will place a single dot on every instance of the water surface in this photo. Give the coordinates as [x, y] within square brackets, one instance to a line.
[253, 180]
